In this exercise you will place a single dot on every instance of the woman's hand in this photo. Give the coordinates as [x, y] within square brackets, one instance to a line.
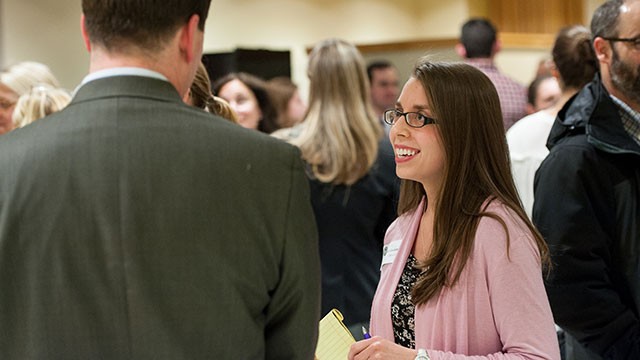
[379, 348]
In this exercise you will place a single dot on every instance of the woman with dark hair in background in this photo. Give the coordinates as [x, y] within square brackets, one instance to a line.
[248, 97]
[287, 101]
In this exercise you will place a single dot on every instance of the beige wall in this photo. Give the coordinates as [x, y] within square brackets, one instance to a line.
[48, 30]
[297, 25]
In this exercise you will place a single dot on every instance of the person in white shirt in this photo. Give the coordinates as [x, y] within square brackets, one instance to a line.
[574, 65]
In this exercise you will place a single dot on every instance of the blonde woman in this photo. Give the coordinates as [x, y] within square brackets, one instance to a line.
[351, 175]
[17, 80]
[39, 102]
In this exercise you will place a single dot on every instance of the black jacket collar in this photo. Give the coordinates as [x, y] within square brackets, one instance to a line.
[592, 112]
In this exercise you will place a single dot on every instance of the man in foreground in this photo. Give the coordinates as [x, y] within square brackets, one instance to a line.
[133, 226]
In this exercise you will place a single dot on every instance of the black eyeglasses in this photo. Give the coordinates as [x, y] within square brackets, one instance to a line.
[412, 119]
[635, 42]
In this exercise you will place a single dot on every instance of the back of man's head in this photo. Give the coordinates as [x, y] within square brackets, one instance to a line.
[604, 22]
[147, 24]
[478, 37]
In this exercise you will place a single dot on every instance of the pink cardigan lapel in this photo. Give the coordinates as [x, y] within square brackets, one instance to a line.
[403, 229]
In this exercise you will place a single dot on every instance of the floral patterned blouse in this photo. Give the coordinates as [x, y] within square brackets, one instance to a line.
[402, 308]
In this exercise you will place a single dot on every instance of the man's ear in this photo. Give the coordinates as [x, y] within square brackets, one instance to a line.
[603, 50]
[188, 37]
[85, 35]
[461, 51]
[496, 48]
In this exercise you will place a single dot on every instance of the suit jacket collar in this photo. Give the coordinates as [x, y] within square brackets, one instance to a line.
[133, 86]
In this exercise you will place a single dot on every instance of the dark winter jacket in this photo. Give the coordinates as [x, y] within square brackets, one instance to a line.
[587, 207]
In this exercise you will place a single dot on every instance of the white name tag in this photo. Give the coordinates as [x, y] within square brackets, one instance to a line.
[389, 252]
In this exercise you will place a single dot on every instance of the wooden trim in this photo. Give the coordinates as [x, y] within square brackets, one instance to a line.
[509, 41]
[408, 45]
[526, 40]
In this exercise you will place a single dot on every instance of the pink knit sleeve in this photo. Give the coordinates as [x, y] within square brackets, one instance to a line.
[518, 300]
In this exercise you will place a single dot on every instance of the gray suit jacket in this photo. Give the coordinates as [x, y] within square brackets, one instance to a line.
[133, 226]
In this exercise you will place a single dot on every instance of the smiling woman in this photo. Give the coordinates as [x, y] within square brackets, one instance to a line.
[467, 253]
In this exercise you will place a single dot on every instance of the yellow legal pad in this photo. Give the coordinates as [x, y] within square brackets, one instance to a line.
[334, 339]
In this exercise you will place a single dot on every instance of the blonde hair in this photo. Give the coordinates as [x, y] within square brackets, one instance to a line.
[201, 96]
[39, 102]
[221, 107]
[339, 137]
[21, 77]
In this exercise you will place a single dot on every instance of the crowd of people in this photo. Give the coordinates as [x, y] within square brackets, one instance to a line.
[157, 213]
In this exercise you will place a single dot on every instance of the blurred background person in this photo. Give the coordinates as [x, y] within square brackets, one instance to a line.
[247, 94]
[287, 101]
[200, 96]
[543, 92]
[478, 46]
[587, 197]
[351, 175]
[40, 101]
[544, 67]
[16, 80]
[385, 86]
[574, 65]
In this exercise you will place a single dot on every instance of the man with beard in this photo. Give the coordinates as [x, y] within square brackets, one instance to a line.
[587, 197]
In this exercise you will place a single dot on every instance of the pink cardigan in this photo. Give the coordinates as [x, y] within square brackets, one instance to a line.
[497, 310]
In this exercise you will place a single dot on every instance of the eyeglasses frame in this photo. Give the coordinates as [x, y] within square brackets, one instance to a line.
[428, 121]
[635, 41]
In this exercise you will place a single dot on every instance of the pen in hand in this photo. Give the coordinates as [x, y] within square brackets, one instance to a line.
[365, 333]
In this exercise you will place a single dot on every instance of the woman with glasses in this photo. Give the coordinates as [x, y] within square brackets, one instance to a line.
[353, 185]
[462, 271]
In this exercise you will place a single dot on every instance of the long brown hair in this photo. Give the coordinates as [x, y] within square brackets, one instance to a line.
[477, 168]
[574, 57]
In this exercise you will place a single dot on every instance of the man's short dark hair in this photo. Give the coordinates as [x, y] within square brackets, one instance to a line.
[143, 23]
[478, 36]
[604, 22]
[377, 65]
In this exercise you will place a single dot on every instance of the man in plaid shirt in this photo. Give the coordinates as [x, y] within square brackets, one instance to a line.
[478, 45]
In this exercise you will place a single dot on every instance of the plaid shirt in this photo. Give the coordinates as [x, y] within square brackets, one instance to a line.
[513, 96]
[630, 119]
